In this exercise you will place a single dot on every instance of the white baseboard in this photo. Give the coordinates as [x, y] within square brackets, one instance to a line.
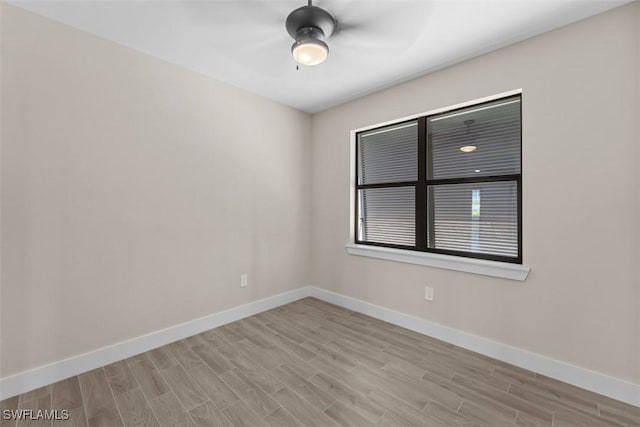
[612, 387]
[30, 380]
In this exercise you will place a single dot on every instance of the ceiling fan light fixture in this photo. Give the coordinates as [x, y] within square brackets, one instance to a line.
[310, 51]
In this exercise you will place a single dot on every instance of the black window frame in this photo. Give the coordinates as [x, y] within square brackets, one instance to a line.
[421, 185]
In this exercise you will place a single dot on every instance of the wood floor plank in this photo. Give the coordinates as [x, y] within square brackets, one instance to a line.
[367, 356]
[120, 378]
[214, 337]
[253, 323]
[230, 335]
[230, 351]
[41, 402]
[421, 360]
[66, 394]
[342, 331]
[331, 355]
[481, 376]
[96, 395]
[216, 361]
[468, 394]
[105, 416]
[249, 392]
[525, 420]
[299, 323]
[292, 347]
[149, 379]
[619, 412]
[162, 358]
[254, 336]
[343, 392]
[137, 358]
[471, 358]
[397, 340]
[184, 355]
[264, 357]
[448, 417]
[566, 394]
[77, 418]
[182, 344]
[577, 418]
[198, 339]
[241, 416]
[313, 394]
[219, 393]
[287, 332]
[400, 366]
[392, 420]
[264, 379]
[35, 394]
[184, 387]
[281, 418]
[169, 412]
[371, 322]
[545, 400]
[505, 399]
[134, 409]
[403, 410]
[412, 391]
[299, 366]
[302, 410]
[345, 415]
[513, 374]
[207, 415]
[427, 341]
[357, 382]
[320, 335]
[486, 414]
[186, 358]
[10, 404]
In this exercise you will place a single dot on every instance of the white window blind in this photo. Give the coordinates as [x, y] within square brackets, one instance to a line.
[494, 131]
[389, 154]
[388, 157]
[389, 215]
[478, 218]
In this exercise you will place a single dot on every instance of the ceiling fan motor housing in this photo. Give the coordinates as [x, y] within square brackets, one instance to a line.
[311, 19]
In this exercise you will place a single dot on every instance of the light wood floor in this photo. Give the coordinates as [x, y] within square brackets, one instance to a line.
[314, 364]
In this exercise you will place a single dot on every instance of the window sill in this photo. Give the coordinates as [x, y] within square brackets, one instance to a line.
[503, 270]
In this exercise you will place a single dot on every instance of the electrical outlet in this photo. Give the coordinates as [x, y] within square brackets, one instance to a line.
[243, 280]
[428, 293]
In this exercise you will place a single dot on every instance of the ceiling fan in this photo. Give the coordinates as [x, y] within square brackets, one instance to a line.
[310, 26]
[251, 32]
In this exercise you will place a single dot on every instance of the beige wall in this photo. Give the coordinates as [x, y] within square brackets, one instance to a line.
[135, 193]
[580, 181]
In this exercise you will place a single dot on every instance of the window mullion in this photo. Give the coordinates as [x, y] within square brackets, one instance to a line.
[421, 187]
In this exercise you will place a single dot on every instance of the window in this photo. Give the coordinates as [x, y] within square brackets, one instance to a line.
[448, 183]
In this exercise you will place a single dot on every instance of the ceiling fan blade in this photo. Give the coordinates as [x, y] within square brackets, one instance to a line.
[237, 16]
[267, 57]
[383, 27]
[235, 25]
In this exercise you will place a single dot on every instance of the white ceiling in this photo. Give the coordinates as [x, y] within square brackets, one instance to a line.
[382, 42]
